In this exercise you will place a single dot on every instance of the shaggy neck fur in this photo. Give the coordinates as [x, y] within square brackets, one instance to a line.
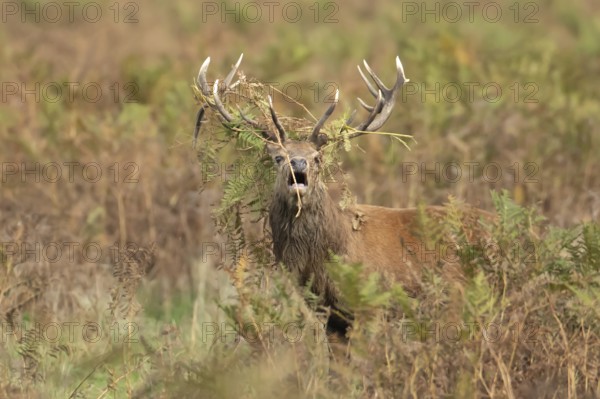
[303, 243]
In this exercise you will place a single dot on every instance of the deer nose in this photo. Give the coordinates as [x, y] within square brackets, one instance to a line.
[298, 164]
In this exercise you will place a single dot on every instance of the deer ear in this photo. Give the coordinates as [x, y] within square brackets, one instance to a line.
[272, 148]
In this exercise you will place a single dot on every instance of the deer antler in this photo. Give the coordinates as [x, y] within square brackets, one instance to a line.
[276, 121]
[380, 112]
[217, 104]
[320, 139]
[206, 92]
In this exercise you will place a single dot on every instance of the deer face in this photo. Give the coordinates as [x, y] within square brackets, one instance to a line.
[298, 165]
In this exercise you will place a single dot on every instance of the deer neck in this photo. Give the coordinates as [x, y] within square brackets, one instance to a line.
[303, 241]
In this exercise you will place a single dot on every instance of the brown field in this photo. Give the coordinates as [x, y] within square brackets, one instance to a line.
[110, 277]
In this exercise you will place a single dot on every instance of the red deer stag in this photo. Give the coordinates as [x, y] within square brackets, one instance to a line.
[382, 239]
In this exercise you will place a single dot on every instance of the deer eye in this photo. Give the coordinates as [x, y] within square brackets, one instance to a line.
[278, 159]
[318, 159]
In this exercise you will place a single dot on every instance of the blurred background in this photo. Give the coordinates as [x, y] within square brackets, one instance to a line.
[97, 115]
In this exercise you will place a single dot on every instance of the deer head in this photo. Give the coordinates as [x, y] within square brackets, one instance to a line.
[298, 162]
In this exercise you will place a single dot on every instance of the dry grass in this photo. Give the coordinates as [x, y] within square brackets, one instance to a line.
[131, 330]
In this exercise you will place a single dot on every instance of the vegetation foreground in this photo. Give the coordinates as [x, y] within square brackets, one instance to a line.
[145, 270]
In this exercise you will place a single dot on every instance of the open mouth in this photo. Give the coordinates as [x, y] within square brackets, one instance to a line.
[300, 183]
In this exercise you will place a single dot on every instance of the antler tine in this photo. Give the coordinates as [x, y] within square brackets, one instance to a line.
[401, 79]
[202, 77]
[374, 112]
[375, 78]
[218, 104]
[369, 85]
[231, 74]
[314, 136]
[198, 125]
[276, 121]
[386, 97]
[206, 92]
[365, 105]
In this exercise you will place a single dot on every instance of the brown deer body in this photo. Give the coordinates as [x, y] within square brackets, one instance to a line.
[384, 240]
[307, 225]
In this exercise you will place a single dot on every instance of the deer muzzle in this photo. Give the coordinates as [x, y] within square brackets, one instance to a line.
[298, 178]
